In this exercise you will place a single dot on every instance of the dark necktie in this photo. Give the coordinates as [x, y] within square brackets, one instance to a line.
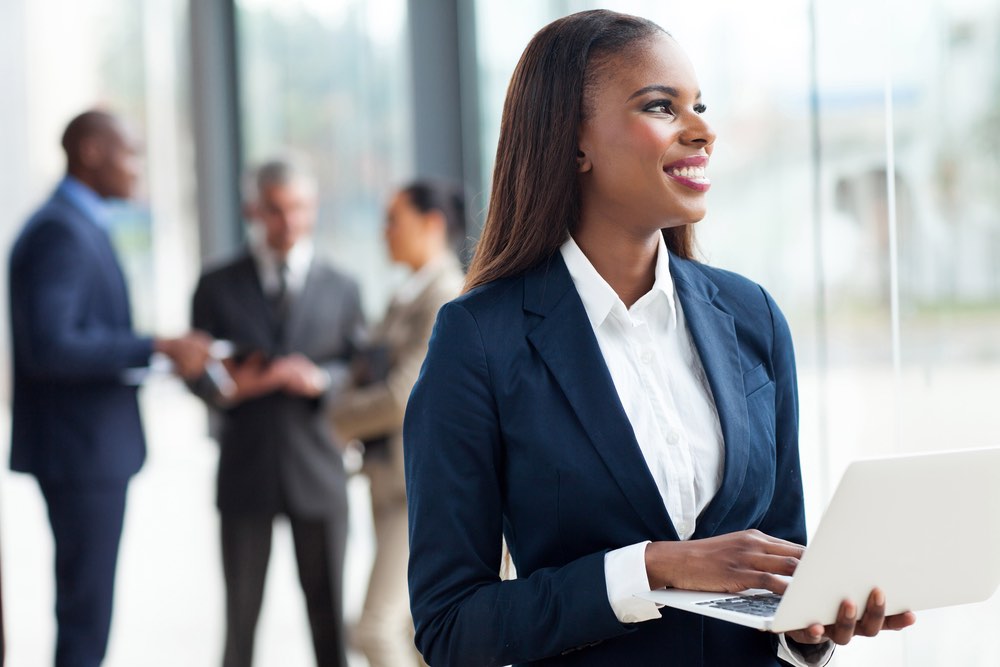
[281, 294]
[280, 301]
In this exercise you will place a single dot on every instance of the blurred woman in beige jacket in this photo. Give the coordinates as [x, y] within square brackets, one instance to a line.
[425, 226]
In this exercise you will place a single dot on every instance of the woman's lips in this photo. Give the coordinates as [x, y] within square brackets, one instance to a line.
[689, 172]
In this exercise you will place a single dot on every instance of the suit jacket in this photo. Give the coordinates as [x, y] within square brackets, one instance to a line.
[276, 450]
[73, 418]
[377, 409]
[515, 428]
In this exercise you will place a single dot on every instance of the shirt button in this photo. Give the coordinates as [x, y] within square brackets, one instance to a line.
[646, 357]
[683, 528]
[673, 438]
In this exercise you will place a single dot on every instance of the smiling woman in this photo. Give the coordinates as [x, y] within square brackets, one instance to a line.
[624, 416]
[641, 134]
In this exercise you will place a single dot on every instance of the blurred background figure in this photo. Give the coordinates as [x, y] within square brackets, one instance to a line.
[293, 321]
[76, 424]
[425, 230]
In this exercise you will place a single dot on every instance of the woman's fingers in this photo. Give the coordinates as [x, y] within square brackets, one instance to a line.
[767, 581]
[842, 630]
[814, 634]
[775, 545]
[729, 563]
[900, 621]
[848, 625]
[871, 623]
[766, 563]
[874, 616]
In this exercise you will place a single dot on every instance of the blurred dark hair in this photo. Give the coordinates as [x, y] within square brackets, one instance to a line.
[535, 201]
[448, 198]
[87, 124]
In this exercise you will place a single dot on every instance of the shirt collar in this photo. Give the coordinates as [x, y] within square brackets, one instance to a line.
[599, 299]
[85, 199]
[418, 281]
[298, 260]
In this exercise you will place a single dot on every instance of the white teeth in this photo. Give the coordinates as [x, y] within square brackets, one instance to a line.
[692, 173]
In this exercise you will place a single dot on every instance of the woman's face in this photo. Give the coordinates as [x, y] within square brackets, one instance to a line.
[644, 141]
[405, 230]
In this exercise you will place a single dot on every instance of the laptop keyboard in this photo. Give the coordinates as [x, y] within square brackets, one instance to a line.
[762, 604]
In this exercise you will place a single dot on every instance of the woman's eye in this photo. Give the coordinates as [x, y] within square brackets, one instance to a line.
[659, 106]
[700, 108]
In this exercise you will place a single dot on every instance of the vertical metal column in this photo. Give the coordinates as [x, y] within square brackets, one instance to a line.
[215, 111]
[822, 325]
[444, 75]
[14, 184]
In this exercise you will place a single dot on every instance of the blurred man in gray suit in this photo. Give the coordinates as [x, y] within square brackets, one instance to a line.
[292, 321]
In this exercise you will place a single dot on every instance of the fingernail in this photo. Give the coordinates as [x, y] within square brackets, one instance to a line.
[879, 598]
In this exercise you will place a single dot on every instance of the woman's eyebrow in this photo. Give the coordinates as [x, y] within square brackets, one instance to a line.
[657, 88]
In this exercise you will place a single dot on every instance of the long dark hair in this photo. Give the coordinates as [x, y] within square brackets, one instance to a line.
[535, 201]
[428, 195]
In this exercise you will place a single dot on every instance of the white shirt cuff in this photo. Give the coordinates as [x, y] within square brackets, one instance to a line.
[625, 575]
[791, 655]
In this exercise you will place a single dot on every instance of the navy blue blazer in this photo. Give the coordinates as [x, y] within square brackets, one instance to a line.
[73, 418]
[515, 428]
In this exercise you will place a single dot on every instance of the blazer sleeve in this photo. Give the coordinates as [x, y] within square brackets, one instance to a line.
[203, 319]
[351, 330]
[464, 614]
[51, 281]
[786, 516]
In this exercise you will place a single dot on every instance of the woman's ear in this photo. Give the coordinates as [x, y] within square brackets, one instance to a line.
[583, 163]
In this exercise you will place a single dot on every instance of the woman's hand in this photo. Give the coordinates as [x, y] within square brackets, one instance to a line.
[848, 625]
[727, 564]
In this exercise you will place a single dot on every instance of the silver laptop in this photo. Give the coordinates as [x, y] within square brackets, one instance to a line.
[924, 528]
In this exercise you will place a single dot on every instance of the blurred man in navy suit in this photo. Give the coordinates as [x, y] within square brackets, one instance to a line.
[76, 424]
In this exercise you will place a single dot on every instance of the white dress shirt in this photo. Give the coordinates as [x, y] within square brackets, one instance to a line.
[297, 263]
[658, 374]
[659, 377]
[293, 272]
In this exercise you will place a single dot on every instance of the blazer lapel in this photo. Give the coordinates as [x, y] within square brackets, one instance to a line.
[114, 273]
[565, 340]
[714, 334]
[250, 292]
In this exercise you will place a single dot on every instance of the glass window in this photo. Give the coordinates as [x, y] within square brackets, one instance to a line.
[129, 58]
[58, 58]
[331, 80]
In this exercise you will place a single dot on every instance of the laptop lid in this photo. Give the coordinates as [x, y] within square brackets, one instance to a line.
[924, 528]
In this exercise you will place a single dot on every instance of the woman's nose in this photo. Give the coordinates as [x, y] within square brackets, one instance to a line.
[698, 131]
